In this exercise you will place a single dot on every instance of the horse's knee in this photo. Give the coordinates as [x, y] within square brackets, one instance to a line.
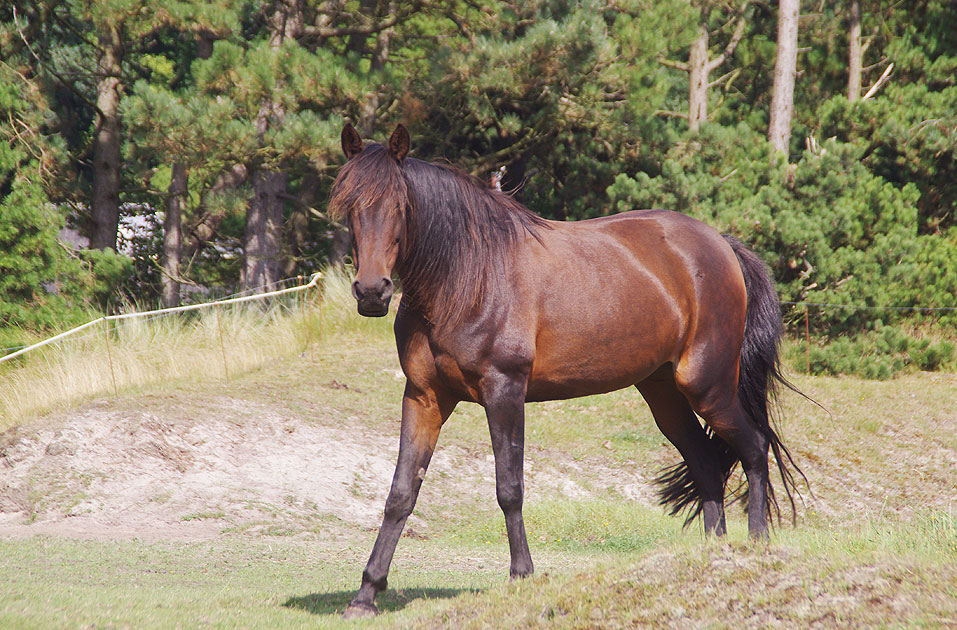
[398, 505]
[510, 496]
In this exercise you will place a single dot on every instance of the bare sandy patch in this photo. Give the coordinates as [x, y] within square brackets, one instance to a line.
[159, 469]
[105, 471]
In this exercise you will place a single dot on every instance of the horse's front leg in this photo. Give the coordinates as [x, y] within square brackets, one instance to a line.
[504, 403]
[423, 414]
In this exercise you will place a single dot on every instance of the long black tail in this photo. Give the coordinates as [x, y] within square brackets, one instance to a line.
[758, 383]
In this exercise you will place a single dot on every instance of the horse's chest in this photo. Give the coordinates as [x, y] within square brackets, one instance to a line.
[457, 377]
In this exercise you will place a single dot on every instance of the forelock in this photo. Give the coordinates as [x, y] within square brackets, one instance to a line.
[370, 178]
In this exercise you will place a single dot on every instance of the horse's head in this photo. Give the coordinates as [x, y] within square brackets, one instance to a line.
[371, 194]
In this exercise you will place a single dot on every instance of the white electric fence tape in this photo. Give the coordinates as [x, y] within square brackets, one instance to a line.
[175, 309]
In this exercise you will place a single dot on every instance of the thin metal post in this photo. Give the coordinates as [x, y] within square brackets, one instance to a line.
[319, 307]
[807, 337]
[305, 323]
[222, 344]
[109, 356]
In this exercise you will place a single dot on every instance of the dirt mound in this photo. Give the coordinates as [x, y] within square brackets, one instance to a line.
[146, 472]
[160, 470]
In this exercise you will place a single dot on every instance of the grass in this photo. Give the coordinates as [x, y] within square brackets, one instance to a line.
[230, 583]
[875, 545]
[718, 585]
[670, 579]
[594, 526]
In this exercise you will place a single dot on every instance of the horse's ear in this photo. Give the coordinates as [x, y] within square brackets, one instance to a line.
[351, 142]
[399, 143]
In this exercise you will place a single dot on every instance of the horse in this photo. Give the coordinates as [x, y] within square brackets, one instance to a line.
[501, 307]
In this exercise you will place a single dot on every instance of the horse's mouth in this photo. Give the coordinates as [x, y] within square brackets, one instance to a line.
[372, 309]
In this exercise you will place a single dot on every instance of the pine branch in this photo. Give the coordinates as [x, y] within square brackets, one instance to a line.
[141, 71]
[325, 32]
[325, 217]
[884, 77]
[729, 76]
[667, 113]
[462, 26]
[866, 43]
[677, 65]
[875, 65]
[311, 210]
[40, 63]
[733, 43]
[490, 161]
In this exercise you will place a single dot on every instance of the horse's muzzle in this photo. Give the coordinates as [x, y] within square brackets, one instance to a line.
[373, 301]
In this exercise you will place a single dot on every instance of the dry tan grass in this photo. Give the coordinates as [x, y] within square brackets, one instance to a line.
[208, 345]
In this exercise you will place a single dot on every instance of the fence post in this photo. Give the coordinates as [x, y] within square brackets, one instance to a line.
[807, 337]
[319, 307]
[222, 344]
[109, 355]
[305, 321]
[308, 321]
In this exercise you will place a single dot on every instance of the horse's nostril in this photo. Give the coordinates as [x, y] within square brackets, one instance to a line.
[385, 288]
[380, 291]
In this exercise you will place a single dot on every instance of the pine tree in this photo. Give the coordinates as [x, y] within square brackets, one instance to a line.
[287, 91]
[701, 63]
[558, 96]
[908, 123]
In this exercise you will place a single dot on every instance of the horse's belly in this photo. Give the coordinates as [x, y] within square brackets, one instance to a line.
[585, 364]
[560, 387]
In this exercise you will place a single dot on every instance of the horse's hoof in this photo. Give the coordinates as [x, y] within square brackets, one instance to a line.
[360, 610]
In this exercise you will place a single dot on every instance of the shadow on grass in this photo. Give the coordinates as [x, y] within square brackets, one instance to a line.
[387, 601]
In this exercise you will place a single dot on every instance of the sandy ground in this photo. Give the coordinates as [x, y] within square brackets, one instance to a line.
[161, 471]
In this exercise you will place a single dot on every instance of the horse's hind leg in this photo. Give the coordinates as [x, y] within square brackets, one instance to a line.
[678, 423]
[718, 404]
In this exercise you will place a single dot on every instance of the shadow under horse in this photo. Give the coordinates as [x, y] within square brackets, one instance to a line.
[501, 307]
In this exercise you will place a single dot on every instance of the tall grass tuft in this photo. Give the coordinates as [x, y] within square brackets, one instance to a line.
[134, 353]
[339, 316]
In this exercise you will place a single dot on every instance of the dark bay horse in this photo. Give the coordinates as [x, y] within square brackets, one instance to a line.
[501, 307]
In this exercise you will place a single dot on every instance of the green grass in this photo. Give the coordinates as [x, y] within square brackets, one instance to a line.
[235, 582]
[719, 585]
[878, 576]
[594, 526]
[875, 543]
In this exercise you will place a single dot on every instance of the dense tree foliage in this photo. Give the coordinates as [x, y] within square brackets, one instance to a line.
[213, 128]
[40, 283]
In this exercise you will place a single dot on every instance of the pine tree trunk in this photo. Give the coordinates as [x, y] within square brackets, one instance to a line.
[106, 143]
[785, 70]
[368, 109]
[855, 60]
[173, 235]
[264, 216]
[263, 225]
[296, 229]
[698, 80]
